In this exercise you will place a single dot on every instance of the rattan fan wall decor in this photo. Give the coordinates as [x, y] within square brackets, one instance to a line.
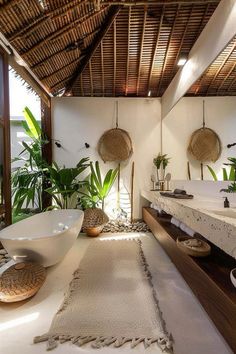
[205, 144]
[115, 144]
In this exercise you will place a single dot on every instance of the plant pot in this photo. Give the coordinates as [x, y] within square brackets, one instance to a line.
[94, 231]
[94, 221]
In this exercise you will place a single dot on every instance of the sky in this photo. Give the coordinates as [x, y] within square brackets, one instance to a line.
[20, 97]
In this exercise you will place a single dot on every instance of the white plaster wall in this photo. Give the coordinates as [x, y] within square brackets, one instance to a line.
[79, 120]
[185, 117]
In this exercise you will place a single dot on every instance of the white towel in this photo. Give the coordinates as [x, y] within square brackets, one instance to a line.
[187, 229]
[175, 221]
[157, 208]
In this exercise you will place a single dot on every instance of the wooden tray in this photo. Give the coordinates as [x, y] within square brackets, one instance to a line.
[21, 281]
[194, 251]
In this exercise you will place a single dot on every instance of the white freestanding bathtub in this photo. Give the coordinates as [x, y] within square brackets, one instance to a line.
[44, 238]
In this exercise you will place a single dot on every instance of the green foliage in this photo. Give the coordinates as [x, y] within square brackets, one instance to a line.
[212, 173]
[97, 189]
[27, 180]
[65, 184]
[226, 176]
[161, 160]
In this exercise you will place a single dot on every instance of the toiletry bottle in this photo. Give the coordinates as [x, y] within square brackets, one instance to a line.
[226, 202]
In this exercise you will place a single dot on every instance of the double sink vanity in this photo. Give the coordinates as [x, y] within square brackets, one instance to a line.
[206, 216]
[209, 277]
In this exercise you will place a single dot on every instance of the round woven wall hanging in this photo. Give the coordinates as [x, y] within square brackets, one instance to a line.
[205, 144]
[21, 281]
[115, 144]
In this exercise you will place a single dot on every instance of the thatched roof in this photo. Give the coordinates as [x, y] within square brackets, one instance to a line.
[113, 48]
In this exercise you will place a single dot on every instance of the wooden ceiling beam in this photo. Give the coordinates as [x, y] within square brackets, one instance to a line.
[114, 57]
[112, 14]
[91, 77]
[44, 18]
[158, 2]
[127, 60]
[81, 85]
[226, 77]
[47, 77]
[22, 71]
[102, 68]
[222, 65]
[167, 50]
[63, 30]
[141, 51]
[206, 49]
[155, 49]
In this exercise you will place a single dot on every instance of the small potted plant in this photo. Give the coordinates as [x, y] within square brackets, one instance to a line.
[93, 196]
[161, 162]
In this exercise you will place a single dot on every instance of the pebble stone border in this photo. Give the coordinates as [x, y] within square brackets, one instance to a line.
[4, 257]
[125, 226]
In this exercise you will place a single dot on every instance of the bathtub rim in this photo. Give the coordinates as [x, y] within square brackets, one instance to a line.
[40, 238]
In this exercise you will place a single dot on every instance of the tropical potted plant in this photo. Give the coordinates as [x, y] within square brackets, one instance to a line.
[231, 187]
[161, 162]
[65, 184]
[93, 196]
[27, 180]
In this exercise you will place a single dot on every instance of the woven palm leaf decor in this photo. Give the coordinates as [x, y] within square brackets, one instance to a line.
[115, 144]
[205, 144]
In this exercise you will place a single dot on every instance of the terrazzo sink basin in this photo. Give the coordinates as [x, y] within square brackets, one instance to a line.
[229, 213]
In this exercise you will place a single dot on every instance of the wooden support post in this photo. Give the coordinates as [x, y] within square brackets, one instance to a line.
[47, 148]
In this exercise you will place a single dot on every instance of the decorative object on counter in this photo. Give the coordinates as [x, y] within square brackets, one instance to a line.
[94, 221]
[226, 202]
[125, 226]
[177, 194]
[233, 277]
[21, 281]
[105, 306]
[205, 144]
[161, 162]
[193, 247]
[132, 193]
[167, 181]
[115, 144]
[202, 174]
[189, 171]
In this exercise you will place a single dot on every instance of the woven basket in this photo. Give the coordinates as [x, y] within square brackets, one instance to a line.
[21, 281]
[193, 246]
[115, 145]
[205, 145]
[94, 217]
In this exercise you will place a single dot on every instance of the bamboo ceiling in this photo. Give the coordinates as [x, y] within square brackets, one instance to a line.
[113, 48]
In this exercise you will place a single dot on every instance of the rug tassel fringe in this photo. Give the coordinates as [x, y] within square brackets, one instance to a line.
[99, 342]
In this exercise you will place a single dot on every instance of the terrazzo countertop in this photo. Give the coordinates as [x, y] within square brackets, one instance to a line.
[206, 216]
[192, 330]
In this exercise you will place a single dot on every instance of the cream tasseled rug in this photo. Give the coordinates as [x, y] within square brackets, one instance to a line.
[111, 301]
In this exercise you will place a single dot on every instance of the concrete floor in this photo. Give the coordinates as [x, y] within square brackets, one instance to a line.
[192, 330]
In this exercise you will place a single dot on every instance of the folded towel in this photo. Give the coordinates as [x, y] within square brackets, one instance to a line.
[175, 221]
[182, 226]
[157, 208]
[179, 191]
[189, 231]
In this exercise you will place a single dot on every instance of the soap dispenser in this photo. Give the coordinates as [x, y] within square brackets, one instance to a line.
[226, 202]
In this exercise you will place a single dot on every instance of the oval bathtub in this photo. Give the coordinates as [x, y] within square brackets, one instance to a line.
[44, 238]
